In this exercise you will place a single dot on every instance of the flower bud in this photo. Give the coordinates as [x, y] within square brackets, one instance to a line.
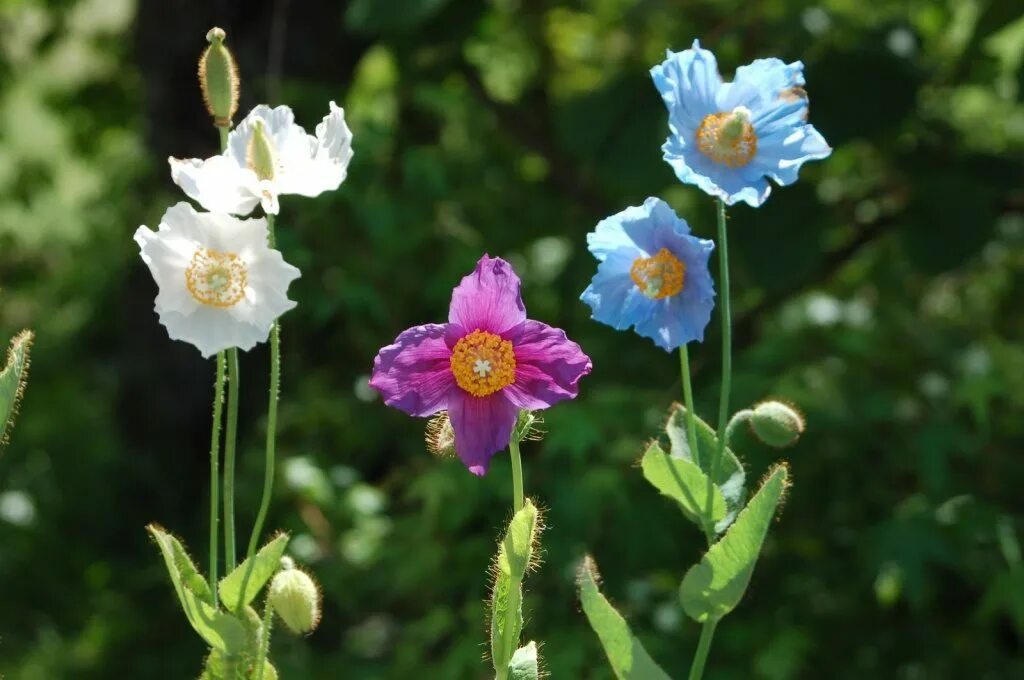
[440, 436]
[218, 79]
[295, 597]
[528, 427]
[776, 424]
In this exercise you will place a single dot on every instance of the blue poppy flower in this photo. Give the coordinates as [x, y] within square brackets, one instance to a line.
[653, 275]
[728, 138]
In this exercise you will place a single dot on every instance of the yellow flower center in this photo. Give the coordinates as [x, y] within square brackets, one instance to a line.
[728, 137]
[483, 363]
[660, 276]
[216, 279]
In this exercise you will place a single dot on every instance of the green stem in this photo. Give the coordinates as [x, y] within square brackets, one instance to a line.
[264, 648]
[230, 439]
[270, 452]
[517, 474]
[703, 648]
[723, 403]
[218, 403]
[691, 431]
[223, 137]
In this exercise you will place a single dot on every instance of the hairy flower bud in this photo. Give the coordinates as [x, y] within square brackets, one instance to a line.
[776, 424]
[218, 79]
[295, 597]
[440, 436]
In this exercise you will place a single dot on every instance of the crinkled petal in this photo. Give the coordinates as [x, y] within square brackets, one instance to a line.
[677, 320]
[488, 299]
[613, 296]
[169, 252]
[284, 134]
[482, 425]
[688, 82]
[212, 330]
[324, 166]
[780, 154]
[732, 185]
[218, 184]
[548, 366]
[414, 374]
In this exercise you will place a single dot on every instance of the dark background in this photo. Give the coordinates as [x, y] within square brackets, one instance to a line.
[882, 293]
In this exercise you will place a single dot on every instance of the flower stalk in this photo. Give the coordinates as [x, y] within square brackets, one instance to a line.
[517, 474]
[218, 404]
[271, 442]
[691, 433]
[230, 441]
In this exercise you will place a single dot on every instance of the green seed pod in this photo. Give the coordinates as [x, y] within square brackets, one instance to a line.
[218, 79]
[260, 154]
[295, 597]
[776, 424]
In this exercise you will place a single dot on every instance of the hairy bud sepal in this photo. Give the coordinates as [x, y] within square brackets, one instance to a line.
[776, 423]
[218, 79]
[295, 597]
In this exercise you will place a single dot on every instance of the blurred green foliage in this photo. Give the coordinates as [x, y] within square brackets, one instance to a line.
[881, 294]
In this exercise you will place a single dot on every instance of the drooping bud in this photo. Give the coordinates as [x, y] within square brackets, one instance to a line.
[776, 424]
[218, 79]
[260, 154]
[440, 436]
[295, 597]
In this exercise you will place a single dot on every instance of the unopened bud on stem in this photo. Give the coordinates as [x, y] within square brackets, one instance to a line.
[218, 79]
[295, 597]
[777, 424]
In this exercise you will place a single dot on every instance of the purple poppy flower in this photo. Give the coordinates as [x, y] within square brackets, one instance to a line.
[483, 366]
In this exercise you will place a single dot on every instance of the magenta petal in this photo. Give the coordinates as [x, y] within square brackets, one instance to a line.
[414, 374]
[488, 299]
[548, 366]
[482, 425]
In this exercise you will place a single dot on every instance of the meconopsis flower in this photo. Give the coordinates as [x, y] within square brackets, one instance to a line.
[483, 366]
[653, 275]
[220, 284]
[268, 155]
[727, 138]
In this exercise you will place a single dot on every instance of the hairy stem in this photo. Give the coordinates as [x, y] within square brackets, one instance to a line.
[691, 433]
[271, 443]
[230, 440]
[218, 403]
[517, 474]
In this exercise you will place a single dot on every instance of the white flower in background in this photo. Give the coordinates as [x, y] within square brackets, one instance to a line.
[221, 285]
[268, 155]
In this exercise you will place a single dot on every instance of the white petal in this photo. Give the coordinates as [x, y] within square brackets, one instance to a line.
[219, 184]
[326, 166]
[168, 253]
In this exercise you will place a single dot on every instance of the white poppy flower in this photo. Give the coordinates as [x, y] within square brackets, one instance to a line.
[268, 155]
[220, 284]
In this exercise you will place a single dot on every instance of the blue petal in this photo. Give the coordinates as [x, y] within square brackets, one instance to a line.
[680, 319]
[617, 231]
[730, 184]
[781, 153]
[612, 295]
[688, 82]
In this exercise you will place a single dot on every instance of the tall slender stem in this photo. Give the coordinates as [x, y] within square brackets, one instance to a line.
[703, 647]
[230, 439]
[270, 451]
[518, 498]
[691, 430]
[223, 137]
[724, 305]
[218, 403]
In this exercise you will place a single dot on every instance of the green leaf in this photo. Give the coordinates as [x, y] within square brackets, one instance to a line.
[220, 630]
[682, 481]
[524, 665]
[12, 380]
[628, 658]
[713, 587]
[515, 557]
[265, 564]
[729, 477]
